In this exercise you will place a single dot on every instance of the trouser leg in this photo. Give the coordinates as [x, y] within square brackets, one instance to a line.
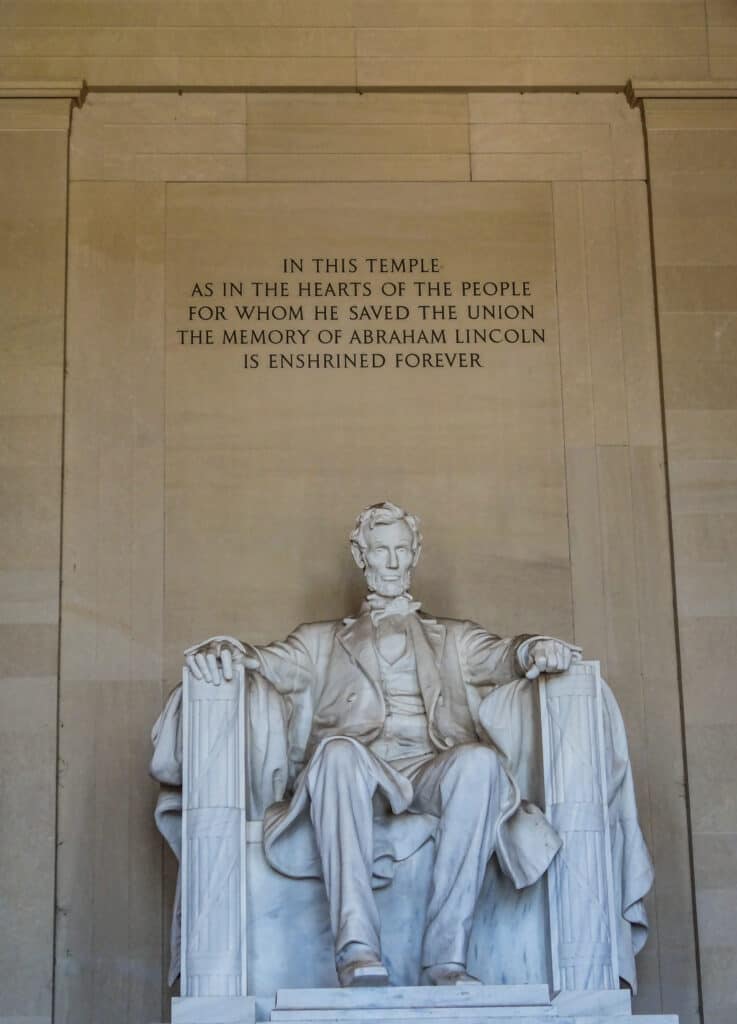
[341, 787]
[462, 788]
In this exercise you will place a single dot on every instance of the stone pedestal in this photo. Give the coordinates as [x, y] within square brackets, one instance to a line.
[462, 1004]
[213, 1010]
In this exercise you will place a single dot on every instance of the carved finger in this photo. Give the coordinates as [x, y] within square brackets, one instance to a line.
[541, 661]
[212, 664]
[202, 666]
[532, 673]
[192, 666]
[227, 662]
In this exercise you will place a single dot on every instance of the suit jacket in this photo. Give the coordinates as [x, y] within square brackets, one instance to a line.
[329, 674]
[331, 670]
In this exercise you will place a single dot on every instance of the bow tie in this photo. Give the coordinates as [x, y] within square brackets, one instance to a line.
[381, 607]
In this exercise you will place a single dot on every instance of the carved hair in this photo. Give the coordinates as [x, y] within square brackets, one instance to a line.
[383, 514]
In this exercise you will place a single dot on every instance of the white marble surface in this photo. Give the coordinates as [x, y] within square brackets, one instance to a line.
[508, 1004]
[580, 883]
[616, 1002]
[521, 1004]
[213, 881]
[413, 996]
[213, 1010]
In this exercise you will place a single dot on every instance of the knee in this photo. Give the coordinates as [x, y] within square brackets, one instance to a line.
[339, 755]
[340, 767]
[477, 766]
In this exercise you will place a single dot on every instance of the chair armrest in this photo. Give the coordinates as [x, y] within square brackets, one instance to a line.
[213, 866]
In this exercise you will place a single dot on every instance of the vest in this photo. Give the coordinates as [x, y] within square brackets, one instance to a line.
[405, 731]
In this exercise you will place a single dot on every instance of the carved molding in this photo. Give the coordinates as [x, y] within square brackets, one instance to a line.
[707, 90]
[76, 90]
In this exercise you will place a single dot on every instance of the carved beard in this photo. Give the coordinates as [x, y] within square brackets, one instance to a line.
[387, 588]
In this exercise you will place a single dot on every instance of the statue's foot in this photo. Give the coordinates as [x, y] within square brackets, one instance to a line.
[363, 975]
[358, 966]
[448, 974]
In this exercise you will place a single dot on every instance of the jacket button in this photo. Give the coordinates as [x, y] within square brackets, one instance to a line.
[448, 741]
[441, 700]
[350, 697]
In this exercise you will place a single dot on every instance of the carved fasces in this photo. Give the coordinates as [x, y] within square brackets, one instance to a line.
[214, 837]
[581, 903]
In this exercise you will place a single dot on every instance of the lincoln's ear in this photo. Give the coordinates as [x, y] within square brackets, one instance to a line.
[416, 557]
[358, 555]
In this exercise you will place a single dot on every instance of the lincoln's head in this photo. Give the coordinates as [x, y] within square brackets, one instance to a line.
[386, 544]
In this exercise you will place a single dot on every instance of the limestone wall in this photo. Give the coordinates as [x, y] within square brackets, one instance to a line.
[693, 146]
[365, 43]
[33, 167]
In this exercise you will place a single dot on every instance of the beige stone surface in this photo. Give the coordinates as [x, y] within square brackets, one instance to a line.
[554, 136]
[692, 146]
[620, 561]
[372, 137]
[33, 143]
[472, 72]
[357, 138]
[300, 435]
[569, 42]
[185, 13]
[109, 950]
[723, 49]
[171, 72]
[366, 44]
[159, 137]
[529, 13]
[639, 356]
[383, 109]
[684, 114]
[358, 167]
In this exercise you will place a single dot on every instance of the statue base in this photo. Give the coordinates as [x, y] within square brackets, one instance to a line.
[461, 1004]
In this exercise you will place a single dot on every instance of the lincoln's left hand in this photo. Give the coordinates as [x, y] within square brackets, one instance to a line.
[551, 656]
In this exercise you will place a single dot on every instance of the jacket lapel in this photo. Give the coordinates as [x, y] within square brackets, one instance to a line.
[428, 637]
[357, 639]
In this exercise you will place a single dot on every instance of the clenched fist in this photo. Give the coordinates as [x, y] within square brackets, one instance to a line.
[550, 656]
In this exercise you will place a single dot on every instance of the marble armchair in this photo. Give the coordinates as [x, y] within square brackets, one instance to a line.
[245, 930]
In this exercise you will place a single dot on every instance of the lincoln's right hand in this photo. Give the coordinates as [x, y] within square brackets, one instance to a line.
[213, 660]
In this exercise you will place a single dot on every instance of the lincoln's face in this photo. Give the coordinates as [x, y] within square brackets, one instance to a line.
[389, 557]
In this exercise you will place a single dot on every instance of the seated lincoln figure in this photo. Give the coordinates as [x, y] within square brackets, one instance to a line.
[393, 696]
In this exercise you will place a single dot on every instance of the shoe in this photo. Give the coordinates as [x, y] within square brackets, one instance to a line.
[359, 967]
[363, 974]
[448, 974]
